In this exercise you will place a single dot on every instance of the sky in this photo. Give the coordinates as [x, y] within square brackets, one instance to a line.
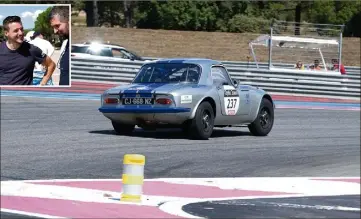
[28, 13]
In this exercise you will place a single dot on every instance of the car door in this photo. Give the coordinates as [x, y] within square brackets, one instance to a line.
[233, 101]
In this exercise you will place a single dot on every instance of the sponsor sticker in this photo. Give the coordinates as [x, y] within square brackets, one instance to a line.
[186, 99]
[247, 98]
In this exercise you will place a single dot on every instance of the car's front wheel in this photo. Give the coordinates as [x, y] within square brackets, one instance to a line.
[263, 124]
[201, 127]
[122, 129]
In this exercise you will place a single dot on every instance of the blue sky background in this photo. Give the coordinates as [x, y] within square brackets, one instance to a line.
[28, 13]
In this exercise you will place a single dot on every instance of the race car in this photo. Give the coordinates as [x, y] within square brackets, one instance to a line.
[193, 94]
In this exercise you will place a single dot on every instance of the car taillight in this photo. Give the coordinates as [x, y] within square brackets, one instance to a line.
[111, 100]
[164, 101]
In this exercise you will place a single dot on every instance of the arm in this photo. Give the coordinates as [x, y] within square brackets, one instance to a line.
[50, 67]
[44, 60]
[50, 49]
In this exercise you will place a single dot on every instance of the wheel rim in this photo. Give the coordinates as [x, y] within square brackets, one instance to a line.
[265, 118]
[206, 120]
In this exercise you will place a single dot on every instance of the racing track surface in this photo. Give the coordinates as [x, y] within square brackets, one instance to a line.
[45, 138]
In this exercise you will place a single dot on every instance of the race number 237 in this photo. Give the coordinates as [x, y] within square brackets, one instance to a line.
[231, 103]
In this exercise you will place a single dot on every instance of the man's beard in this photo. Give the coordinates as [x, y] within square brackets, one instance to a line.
[64, 36]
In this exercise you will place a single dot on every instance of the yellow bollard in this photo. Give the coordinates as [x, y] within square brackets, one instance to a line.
[133, 177]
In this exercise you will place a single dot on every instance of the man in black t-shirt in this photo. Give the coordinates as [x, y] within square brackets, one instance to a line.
[17, 57]
[59, 20]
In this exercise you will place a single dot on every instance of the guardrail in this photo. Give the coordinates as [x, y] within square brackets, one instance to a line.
[351, 70]
[276, 81]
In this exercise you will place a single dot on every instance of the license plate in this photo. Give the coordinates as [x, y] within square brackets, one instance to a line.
[137, 101]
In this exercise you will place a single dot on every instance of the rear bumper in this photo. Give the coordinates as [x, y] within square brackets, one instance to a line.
[143, 109]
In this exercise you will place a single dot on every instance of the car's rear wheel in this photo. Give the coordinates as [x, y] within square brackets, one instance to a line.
[263, 124]
[122, 129]
[201, 126]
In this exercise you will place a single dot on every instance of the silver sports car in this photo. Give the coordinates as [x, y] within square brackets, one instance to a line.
[193, 94]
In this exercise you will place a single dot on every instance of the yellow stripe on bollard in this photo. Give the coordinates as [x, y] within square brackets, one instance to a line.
[131, 198]
[134, 159]
[132, 177]
[129, 179]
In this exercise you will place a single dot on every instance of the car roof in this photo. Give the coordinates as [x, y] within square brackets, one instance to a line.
[201, 61]
[100, 44]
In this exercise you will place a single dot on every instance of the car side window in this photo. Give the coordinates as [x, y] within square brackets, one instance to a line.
[100, 52]
[220, 76]
[119, 53]
[127, 54]
[106, 52]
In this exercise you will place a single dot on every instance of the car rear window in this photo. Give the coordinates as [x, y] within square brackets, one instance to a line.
[168, 73]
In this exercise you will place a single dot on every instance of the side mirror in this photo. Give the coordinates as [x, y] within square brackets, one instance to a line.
[236, 82]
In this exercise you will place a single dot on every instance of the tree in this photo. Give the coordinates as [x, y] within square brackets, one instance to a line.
[352, 28]
[42, 24]
[91, 9]
[216, 15]
[110, 13]
[128, 11]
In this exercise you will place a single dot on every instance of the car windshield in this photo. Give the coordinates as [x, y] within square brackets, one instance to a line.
[168, 73]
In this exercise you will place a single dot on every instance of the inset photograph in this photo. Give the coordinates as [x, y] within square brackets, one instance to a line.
[34, 45]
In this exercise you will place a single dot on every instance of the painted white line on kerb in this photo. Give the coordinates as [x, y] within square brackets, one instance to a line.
[28, 213]
[318, 207]
[176, 208]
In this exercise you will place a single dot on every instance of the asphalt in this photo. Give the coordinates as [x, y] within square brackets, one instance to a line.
[53, 138]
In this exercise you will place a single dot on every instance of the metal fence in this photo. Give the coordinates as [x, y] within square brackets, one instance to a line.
[283, 82]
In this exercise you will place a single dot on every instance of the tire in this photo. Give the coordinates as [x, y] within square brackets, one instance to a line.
[123, 129]
[201, 126]
[263, 124]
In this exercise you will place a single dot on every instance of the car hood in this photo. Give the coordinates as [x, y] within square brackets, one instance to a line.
[146, 88]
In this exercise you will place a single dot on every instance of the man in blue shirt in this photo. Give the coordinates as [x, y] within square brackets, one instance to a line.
[17, 57]
[59, 21]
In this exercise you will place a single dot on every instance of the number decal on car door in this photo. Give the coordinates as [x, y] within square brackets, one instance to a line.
[231, 100]
[231, 103]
